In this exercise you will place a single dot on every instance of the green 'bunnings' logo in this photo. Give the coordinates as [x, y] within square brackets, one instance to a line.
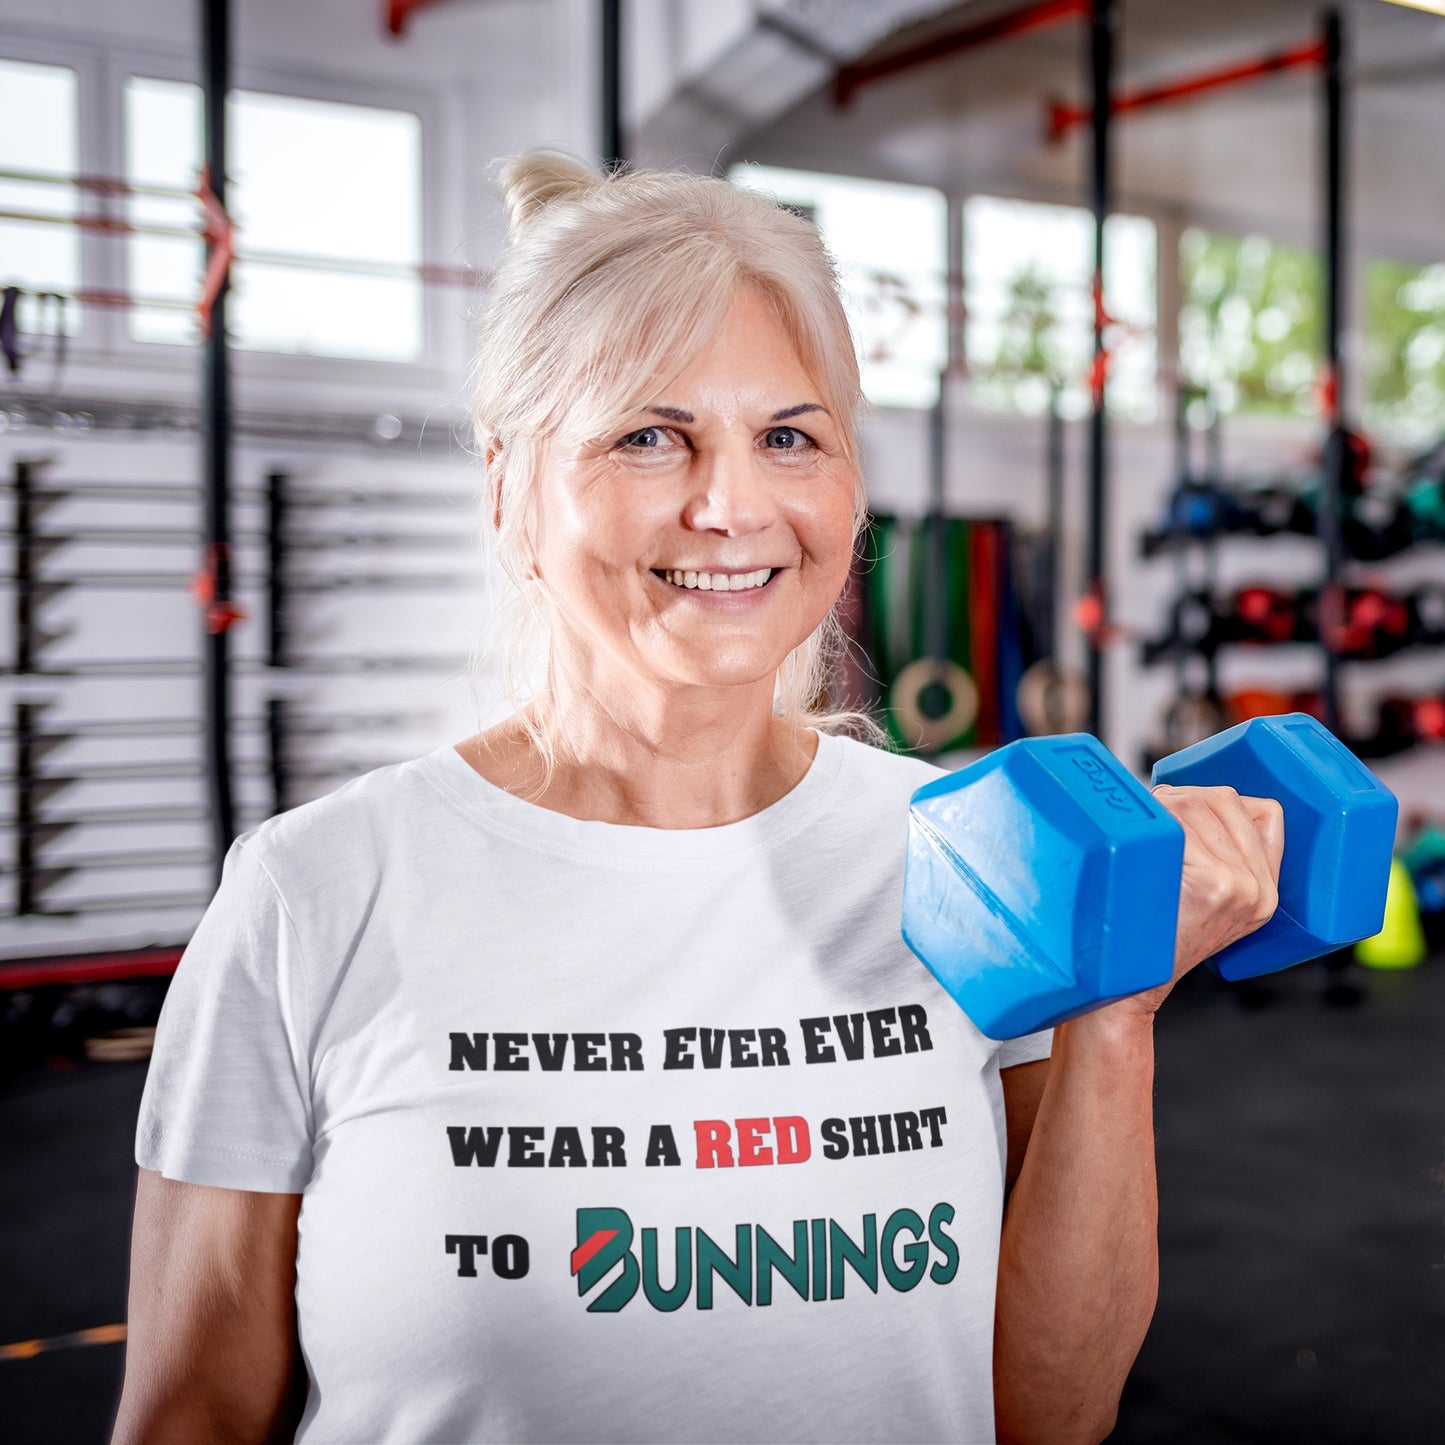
[814, 1258]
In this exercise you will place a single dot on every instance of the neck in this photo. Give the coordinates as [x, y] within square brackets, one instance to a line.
[699, 758]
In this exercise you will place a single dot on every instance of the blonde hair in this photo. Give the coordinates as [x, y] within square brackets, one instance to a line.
[607, 285]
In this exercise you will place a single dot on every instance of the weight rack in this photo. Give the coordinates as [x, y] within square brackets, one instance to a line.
[287, 554]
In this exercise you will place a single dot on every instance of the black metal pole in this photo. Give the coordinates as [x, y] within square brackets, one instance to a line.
[1183, 458]
[613, 152]
[216, 427]
[277, 756]
[1335, 457]
[26, 820]
[277, 593]
[25, 626]
[1104, 21]
[1334, 209]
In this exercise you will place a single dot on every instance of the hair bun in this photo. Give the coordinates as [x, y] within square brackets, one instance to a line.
[531, 182]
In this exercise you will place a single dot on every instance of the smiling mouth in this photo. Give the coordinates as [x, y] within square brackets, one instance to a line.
[717, 581]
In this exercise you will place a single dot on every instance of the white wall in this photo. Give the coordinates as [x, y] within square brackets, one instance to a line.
[432, 704]
[488, 80]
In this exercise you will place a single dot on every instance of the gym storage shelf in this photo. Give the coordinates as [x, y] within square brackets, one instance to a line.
[1352, 616]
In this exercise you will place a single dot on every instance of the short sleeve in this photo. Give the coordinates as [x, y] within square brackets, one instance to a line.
[1026, 1050]
[227, 1101]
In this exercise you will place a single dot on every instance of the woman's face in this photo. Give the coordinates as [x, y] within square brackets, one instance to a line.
[708, 536]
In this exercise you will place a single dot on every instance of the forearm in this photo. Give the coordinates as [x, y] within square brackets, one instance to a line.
[1078, 1264]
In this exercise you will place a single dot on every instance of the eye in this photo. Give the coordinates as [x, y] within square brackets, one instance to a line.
[786, 439]
[651, 441]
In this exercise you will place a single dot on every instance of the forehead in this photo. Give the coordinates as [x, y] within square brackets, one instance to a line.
[750, 354]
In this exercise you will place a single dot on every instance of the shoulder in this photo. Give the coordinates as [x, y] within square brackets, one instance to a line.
[878, 774]
[870, 791]
[355, 825]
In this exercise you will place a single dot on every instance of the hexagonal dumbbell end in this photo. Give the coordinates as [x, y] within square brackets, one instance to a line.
[1041, 882]
[1339, 834]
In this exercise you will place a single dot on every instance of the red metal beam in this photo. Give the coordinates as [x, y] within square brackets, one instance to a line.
[1063, 118]
[852, 78]
[89, 968]
[396, 12]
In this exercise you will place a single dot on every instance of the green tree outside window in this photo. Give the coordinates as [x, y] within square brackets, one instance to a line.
[1249, 327]
[1405, 351]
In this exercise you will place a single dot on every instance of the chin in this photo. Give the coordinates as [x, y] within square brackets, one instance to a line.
[714, 672]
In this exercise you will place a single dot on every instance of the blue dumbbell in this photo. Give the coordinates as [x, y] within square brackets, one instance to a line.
[1044, 880]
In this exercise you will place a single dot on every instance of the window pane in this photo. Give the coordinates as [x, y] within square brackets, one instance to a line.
[163, 148]
[318, 179]
[1249, 327]
[39, 133]
[1405, 350]
[889, 243]
[309, 179]
[326, 313]
[1028, 272]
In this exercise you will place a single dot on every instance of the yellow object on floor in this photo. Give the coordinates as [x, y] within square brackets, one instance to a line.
[28, 1349]
[1401, 942]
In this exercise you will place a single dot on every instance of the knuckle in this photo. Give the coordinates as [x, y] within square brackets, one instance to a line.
[1217, 888]
[1268, 901]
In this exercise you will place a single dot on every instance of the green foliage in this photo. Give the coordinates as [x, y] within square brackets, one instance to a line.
[1249, 327]
[1405, 350]
[1030, 341]
[1034, 349]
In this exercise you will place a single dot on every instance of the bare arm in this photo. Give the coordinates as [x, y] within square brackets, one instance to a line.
[211, 1348]
[1023, 1092]
[1079, 1257]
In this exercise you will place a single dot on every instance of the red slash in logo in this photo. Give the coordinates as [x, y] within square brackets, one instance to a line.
[590, 1247]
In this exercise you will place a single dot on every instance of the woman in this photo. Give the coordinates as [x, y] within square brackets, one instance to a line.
[574, 1083]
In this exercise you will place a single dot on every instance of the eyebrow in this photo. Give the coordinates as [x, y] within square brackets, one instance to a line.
[676, 413]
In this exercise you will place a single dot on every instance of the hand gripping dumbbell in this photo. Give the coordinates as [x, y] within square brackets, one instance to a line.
[1044, 880]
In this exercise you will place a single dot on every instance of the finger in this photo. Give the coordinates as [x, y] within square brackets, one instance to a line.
[1227, 847]
[1237, 839]
[1268, 819]
[1199, 811]
[1239, 817]
[1211, 810]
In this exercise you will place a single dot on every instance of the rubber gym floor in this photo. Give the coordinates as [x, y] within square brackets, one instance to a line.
[1301, 1137]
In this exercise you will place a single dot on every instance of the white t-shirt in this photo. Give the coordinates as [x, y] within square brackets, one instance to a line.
[602, 1132]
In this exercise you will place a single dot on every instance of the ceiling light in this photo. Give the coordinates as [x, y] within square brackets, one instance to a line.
[1435, 7]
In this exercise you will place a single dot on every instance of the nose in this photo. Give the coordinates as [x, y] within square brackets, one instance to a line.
[732, 493]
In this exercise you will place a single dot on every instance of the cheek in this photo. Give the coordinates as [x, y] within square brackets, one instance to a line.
[592, 555]
[830, 513]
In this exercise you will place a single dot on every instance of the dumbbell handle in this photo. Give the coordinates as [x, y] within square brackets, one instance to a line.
[1336, 865]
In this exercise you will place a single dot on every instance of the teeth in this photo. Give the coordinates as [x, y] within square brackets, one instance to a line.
[719, 581]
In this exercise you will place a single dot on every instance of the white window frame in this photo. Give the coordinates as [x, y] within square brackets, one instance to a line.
[104, 338]
[1168, 281]
[94, 332]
